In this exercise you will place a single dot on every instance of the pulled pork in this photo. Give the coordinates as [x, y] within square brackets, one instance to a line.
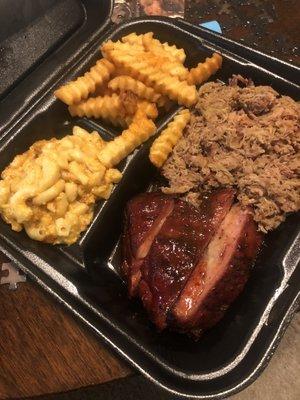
[247, 137]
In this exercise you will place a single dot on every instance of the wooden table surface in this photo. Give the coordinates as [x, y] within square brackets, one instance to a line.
[43, 349]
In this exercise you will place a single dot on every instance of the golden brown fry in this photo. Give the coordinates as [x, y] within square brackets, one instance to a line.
[164, 144]
[115, 109]
[112, 175]
[176, 52]
[149, 109]
[138, 132]
[133, 38]
[204, 70]
[150, 43]
[135, 86]
[149, 72]
[105, 47]
[122, 83]
[156, 47]
[109, 108]
[173, 68]
[108, 46]
[158, 57]
[75, 91]
[170, 63]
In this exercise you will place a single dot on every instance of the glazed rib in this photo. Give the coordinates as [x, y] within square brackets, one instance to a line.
[220, 275]
[176, 250]
[188, 264]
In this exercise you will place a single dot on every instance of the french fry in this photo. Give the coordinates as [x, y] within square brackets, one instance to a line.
[140, 130]
[164, 144]
[133, 38]
[149, 93]
[174, 68]
[112, 175]
[203, 71]
[176, 52]
[108, 46]
[78, 131]
[149, 109]
[115, 109]
[170, 63]
[172, 51]
[121, 83]
[109, 108]
[144, 70]
[157, 58]
[75, 91]
[164, 64]
[149, 42]
[162, 49]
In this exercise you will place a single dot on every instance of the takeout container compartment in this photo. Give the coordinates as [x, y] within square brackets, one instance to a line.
[85, 276]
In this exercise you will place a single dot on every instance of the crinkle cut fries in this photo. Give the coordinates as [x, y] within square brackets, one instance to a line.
[145, 68]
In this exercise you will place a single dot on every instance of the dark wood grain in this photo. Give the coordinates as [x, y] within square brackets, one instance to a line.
[43, 349]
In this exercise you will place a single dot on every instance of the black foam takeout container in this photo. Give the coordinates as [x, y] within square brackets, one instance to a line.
[85, 277]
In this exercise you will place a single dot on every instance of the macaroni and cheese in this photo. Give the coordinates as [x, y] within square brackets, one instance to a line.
[50, 190]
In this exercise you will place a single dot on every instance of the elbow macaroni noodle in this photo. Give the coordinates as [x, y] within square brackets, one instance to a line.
[51, 189]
